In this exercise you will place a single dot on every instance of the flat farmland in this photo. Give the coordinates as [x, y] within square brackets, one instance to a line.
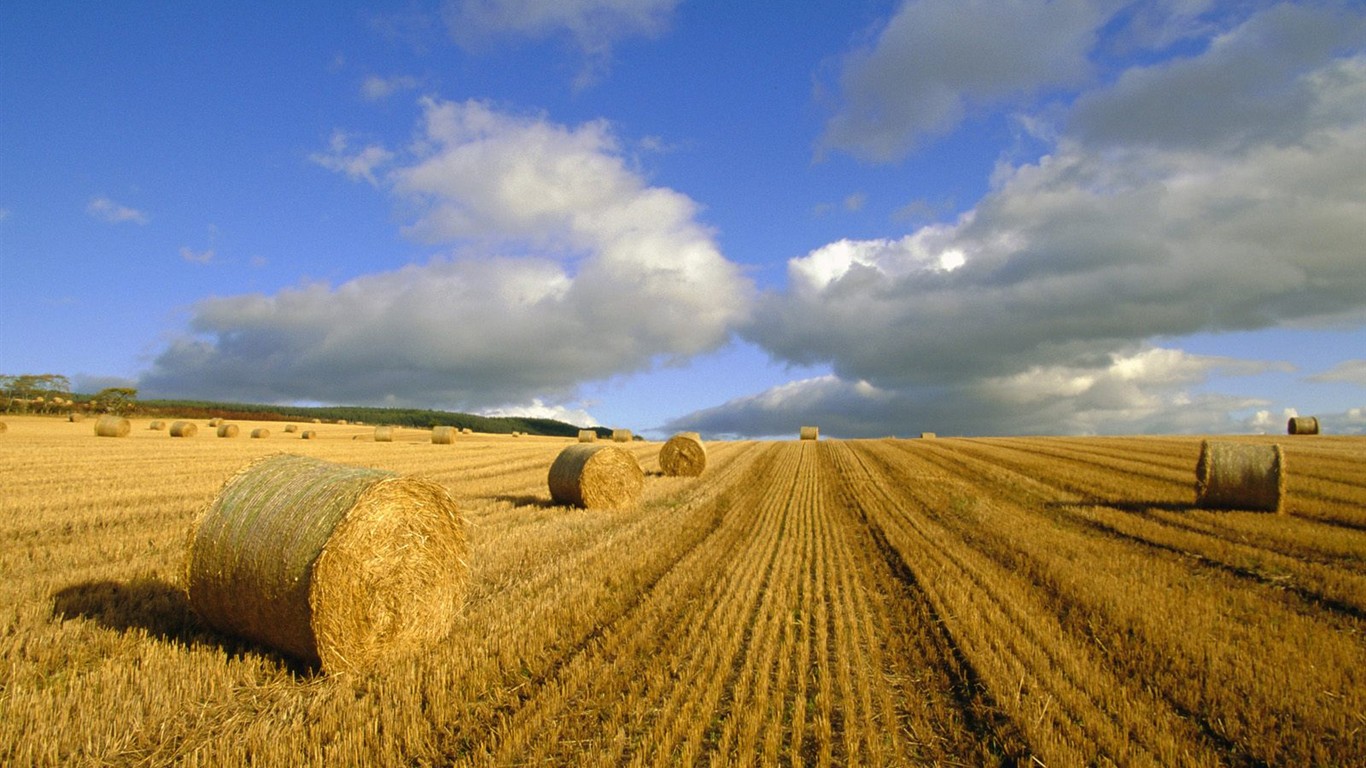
[1010, 601]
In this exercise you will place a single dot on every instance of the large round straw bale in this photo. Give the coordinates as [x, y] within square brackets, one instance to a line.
[157, 426]
[317, 421]
[183, 429]
[596, 475]
[113, 426]
[75, 416]
[621, 436]
[466, 431]
[384, 434]
[215, 422]
[260, 433]
[341, 421]
[927, 435]
[291, 428]
[443, 435]
[810, 433]
[228, 430]
[1239, 476]
[683, 455]
[308, 434]
[1303, 425]
[338, 566]
[588, 436]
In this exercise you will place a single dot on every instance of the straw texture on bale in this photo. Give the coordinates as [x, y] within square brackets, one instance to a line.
[595, 475]
[338, 566]
[384, 434]
[587, 436]
[810, 433]
[113, 426]
[260, 433]
[443, 435]
[309, 434]
[228, 430]
[157, 425]
[683, 455]
[1239, 476]
[1303, 425]
[621, 436]
[291, 428]
[183, 429]
[74, 417]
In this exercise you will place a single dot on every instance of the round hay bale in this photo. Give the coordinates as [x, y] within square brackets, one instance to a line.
[1303, 425]
[291, 428]
[75, 417]
[157, 426]
[317, 421]
[683, 455]
[113, 426]
[927, 435]
[621, 435]
[443, 435]
[587, 436]
[1239, 476]
[342, 421]
[466, 431]
[183, 429]
[384, 434]
[596, 476]
[260, 433]
[337, 566]
[228, 430]
[215, 422]
[810, 433]
[308, 434]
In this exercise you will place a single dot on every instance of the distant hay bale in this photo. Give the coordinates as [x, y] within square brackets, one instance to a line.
[291, 428]
[1303, 425]
[927, 435]
[183, 429]
[228, 430]
[516, 434]
[308, 434]
[157, 426]
[596, 476]
[260, 433]
[113, 426]
[215, 422]
[443, 435]
[338, 566]
[621, 436]
[810, 433]
[1239, 476]
[683, 455]
[317, 421]
[466, 431]
[341, 421]
[74, 417]
[384, 434]
[587, 436]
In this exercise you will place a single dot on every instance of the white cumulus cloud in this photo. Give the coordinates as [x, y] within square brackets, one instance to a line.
[107, 210]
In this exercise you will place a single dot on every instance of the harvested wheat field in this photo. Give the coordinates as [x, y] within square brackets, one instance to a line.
[1023, 601]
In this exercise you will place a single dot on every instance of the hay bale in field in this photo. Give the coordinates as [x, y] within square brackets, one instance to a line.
[443, 435]
[341, 421]
[587, 436]
[384, 434]
[683, 455]
[622, 436]
[1303, 425]
[260, 433]
[317, 421]
[809, 433]
[113, 426]
[928, 436]
[466, 431]
[183, 429]
[308, 434]
[74, 417]
[228, 430]
[291, 428]
[596, 476]
[215, 422]
[1239, 476]
[338, 566]
[157, 426]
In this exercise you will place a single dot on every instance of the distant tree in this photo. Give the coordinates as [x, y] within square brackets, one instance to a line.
[39, 392]
[119, 401]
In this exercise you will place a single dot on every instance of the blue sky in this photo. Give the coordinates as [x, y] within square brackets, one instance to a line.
[882, 217]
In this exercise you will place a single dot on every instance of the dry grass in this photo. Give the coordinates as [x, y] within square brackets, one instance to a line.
[882, 602]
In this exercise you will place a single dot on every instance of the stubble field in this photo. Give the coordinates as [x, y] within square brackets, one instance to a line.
[1051, 601]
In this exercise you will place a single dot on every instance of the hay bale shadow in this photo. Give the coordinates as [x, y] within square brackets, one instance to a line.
[1130, 506]
[156, 607]
[525, 500]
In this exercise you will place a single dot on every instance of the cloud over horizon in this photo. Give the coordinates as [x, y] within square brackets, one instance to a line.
[565, 267]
